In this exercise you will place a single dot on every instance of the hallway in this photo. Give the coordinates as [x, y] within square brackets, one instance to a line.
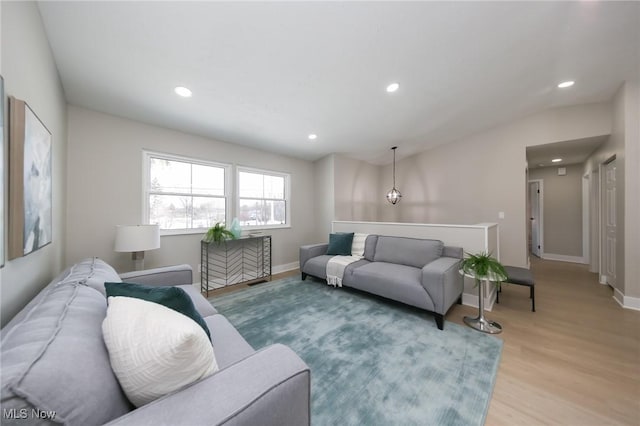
[575, 361]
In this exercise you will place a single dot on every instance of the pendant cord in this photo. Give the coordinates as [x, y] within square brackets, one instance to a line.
[394, 167]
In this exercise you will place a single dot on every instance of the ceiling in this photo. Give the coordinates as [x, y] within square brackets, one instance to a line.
[267, 74]
[571, 152]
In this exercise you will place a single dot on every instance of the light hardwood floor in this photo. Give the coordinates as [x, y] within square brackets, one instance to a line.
[575, 361]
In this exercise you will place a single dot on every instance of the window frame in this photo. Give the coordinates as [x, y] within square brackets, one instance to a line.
[287, 196]
[146, 188]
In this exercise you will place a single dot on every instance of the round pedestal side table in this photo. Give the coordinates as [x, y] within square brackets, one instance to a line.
[481, 323]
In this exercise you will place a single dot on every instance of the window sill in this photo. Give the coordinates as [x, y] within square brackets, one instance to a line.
[201, 231]
[170, 232]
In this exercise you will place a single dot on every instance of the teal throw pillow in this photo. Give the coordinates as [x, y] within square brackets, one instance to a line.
[172, 297]
[340, 244]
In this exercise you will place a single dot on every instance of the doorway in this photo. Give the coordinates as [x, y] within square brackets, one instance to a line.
[536, 228]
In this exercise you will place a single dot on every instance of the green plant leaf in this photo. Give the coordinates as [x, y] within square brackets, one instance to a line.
[484, 266]
[218, 234]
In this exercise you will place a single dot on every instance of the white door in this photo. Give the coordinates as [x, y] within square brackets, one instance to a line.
[534, 217]
[609, 231]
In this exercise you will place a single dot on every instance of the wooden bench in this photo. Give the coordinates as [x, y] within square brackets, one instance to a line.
[520, 276]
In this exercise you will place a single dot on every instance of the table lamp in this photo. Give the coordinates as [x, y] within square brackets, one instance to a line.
[136, 239]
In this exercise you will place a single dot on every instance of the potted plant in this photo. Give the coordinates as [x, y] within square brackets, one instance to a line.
[218, 234]
[483, 267]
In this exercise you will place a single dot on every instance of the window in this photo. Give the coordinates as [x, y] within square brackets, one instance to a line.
[263, 198]
[181, 193]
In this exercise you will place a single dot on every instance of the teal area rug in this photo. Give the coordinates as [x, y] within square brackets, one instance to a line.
[373, 362]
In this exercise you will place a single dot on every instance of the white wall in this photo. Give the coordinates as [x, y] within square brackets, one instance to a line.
[471, 180]
[30, 74]
[104, 181]
[562, 202]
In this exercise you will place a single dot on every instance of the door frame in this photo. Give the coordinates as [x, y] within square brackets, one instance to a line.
[602, 273]
[540, 183]
[586, 234]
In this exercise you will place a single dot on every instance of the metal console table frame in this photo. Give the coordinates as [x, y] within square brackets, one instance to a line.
[240, 261]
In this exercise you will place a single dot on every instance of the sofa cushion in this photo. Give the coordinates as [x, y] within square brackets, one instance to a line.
[317, 266]
[370, 247]
[172, 297]
[393, 281]
[54, 358]
[407, 251]
[340, 244]
[154, 350]
[229, 346]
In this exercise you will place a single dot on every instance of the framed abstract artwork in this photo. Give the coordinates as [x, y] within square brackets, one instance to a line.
[30, 181]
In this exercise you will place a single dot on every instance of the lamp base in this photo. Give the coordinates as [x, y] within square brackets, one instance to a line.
[482, 324]
[138, 260]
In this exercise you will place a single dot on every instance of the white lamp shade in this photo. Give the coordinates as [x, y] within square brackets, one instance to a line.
[133, 238]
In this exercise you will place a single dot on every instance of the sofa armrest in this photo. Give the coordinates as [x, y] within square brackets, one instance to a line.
[166, 276]
[269, 388]
[442, 282]
[310, 251]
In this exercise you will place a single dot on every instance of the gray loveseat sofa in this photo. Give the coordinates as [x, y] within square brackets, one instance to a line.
[417, 272]
[56, 370]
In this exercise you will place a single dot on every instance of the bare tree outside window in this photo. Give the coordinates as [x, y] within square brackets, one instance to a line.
[184, 195]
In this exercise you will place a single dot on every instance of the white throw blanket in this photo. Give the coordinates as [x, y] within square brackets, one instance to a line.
[336, 266]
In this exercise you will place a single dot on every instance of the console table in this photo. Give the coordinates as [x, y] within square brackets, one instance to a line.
[244, 260]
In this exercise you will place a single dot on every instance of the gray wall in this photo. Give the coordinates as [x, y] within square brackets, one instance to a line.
[623, 143]
[356, 189]
[323, 171]
[562, 202]
[30, 74]
[471, 180]
[104, 182]
[632, 190]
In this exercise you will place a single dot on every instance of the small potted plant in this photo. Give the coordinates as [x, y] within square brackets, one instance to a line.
[218, 234]
[483, 266]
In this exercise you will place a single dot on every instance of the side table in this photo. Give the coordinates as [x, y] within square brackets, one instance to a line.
[481, 323]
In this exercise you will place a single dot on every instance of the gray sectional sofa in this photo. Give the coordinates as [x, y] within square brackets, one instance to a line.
[56, 370]
[417, 272]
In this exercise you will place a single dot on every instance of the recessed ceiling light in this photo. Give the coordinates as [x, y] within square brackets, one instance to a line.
[566, 84]
[393, 87]
[183, 91]
[541, 165]
[556, 160]
[313, 136]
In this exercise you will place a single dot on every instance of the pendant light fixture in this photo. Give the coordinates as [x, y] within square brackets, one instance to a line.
[394, 195]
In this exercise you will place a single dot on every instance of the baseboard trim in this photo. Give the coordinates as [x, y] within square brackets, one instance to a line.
[286, 267]
[563, 258]
[627, 302]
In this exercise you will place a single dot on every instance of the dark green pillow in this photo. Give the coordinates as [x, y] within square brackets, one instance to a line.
[340, 244]
[172, 297]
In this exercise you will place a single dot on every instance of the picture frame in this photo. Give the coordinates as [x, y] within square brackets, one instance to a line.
[30, 181]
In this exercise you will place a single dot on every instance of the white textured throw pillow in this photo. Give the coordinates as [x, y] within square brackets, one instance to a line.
[357, 246]
[154, 350]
